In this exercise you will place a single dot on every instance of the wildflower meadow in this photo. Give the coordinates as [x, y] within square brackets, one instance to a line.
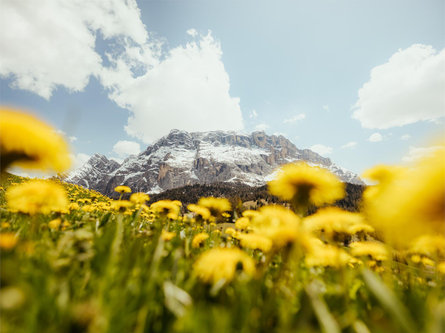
[74, 260]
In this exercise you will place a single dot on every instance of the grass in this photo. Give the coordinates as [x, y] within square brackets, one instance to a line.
[105, 271]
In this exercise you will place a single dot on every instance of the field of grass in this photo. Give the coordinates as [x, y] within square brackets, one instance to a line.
[96, 269]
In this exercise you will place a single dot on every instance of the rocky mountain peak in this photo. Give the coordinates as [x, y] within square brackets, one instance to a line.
[186, 158]
[102, 162]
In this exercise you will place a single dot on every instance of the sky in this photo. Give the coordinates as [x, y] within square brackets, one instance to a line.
[360, 82]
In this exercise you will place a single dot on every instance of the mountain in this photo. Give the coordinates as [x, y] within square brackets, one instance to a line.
[182, 158]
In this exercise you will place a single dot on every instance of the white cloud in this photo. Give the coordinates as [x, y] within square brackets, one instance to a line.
[349, 145]
[326, 108]
[53, 43]
[416, 153]
[124, 148]
[188, 89]
[375, 137]
[321, 149]
[68, 138]
[253, 114]
[407, 89]
[79, 159]
[294, 119]
[192, 32]
[261, 127]
[405, 137]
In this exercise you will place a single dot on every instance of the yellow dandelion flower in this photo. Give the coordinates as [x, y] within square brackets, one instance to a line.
[145, 208]
[88, 208]
[202, 212]
[74, 206]
[416, 258]
[242, 223]
[27, 142]
[303, 185]
[332, 221]
[139, 198]
[254, 241]
[374, 250]
[383, 175]
[37, 196]
[360, 227]
[199, 239]
[223, 264]
[230, 231]
[102, 206]
[320, 254]
[122, 189]
[8, 240]
[167, 235]
[278, 224]
[250, 213]
[427, 261]
[216, 206]
[167, 208]
[121, 205]
[411, 202]
[429, 245]
[55, 224]
[5, 225]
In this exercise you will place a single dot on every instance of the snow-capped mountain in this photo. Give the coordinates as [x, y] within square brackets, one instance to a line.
[182, 158]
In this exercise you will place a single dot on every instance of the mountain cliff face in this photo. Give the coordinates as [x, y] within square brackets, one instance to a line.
[183, 158]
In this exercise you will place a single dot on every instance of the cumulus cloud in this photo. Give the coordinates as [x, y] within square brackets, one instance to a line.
[294, 119]
[187, 88]
[349, 145]
[416, 153]
[407, 89]
[405, 137]
[124, 148]
[326, 108]
[375, 137]
[321, 149]
[79, 160]
[53, 43]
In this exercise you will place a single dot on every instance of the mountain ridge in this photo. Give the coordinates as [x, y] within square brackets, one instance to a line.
[185, 158]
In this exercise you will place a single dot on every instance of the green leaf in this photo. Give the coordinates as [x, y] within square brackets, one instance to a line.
[324, 316]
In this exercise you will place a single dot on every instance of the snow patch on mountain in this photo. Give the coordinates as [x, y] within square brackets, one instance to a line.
[182, 158]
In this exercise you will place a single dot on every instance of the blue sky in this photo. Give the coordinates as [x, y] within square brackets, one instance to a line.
[361, 82]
